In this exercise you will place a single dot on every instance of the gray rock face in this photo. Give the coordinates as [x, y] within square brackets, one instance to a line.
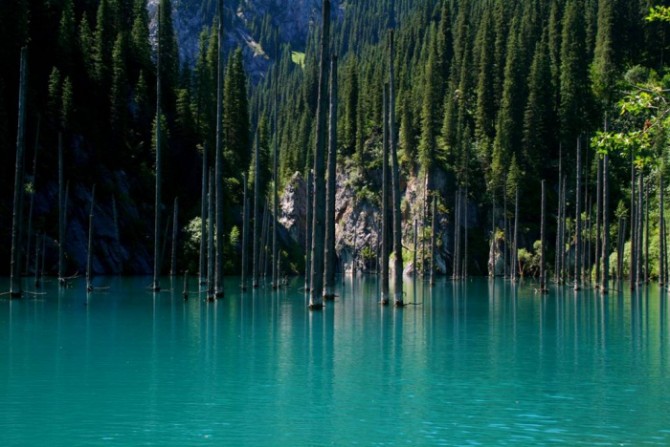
[293, 19]
[357, 224]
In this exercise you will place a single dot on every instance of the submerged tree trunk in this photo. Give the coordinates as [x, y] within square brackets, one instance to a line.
[633, 225]
[543, 285]
[432, 241]
[515, 245]
[395, 183]
[203, 218]
[62, 209]
[578, 218]
[646, 234]
[606, 230]
[661, 233]
[210, 239]
[318, 224]
[245, 231]
[599, 193]
[15, 289]
[89, 257]
[175, 232]
[32, 197]
[414, 246]
[308, 232]
[159, 162]
[275, 202]
[218, 275]
[385, 251]
[329, 291]
[257, 204]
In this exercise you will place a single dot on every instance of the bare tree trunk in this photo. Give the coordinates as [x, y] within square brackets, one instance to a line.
[543, 285]
[661, 235]
[415, 247]
[395, 183]
[456, 255]
[38, 279]
[275, 203]
[578, 218]
[308, 232]
[159, 162]
[432, 241]
[32, 197]
[61, 213]
[203, 218]
[564, 272]
[557, 261]
[506, 236]
[15, 289]
[245, 233]
[318, 224]
[89, 257]
[329, 292]
[218, 275]
[423, 224]
[385, 252]
[622, 240]
[175, 232]
[646, 234]
[599, 193]
[257, 204]
[633, 224]
[210, 239]
[606, 228]
[465, 232]
[515, 249]
[638, 231]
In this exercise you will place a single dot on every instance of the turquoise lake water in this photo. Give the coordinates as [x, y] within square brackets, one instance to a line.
[476, 363]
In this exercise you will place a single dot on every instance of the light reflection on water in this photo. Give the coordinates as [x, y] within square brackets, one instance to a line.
[469, 363]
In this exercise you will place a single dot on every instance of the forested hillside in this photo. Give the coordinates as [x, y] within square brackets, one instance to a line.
[492, 97]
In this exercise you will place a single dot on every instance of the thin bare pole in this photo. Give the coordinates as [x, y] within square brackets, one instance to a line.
[330, 258]
[203, 218]
[159, 161]
[89, 257]
[32, 196]
[15, 290]
[606, 230]
[218, 159]
[245, 231]
[175, 233]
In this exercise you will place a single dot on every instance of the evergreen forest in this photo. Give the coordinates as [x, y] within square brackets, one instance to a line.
[520, 138]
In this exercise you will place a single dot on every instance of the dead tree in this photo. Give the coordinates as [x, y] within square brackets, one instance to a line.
[89, 257]
[395, 183]
[175, 233]
[159, 162]
[330, 256]
[385, 248]
[318, 224]
[543, 285]
[606, 230]
[15, 290]
[218, 275]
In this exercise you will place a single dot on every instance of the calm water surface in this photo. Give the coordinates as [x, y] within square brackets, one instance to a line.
[477, 363]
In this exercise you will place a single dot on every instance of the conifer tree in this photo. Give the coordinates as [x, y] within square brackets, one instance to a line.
[574, 85]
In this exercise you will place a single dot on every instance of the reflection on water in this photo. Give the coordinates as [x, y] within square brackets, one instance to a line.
[477, 362]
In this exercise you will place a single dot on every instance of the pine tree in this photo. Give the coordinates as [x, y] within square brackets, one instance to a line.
[119, 91]
[537, 115]
[67, 37]
[574, 89]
